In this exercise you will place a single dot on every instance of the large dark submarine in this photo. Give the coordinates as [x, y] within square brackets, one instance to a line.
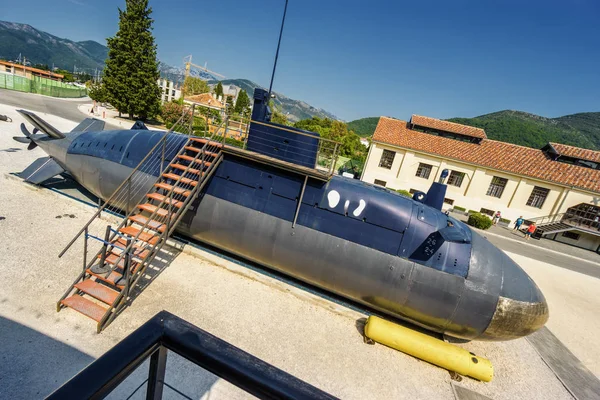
[399, 256]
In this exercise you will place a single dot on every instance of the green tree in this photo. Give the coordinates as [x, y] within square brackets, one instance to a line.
[97, 91]
[131, 72]
[219, 90]
[242, 103]
[193, 86]
[229, 105]
[68, 76]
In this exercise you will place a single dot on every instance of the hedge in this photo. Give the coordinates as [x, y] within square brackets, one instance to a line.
[473, 212]
[505, 221]
[457, 208]
[405, 193]
[480, 221]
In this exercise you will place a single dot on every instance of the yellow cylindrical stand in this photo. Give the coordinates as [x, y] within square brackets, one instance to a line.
[429, 349]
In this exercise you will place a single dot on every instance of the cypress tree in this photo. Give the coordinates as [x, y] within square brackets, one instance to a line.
[242, 103]
[219, 90]
[131, 72]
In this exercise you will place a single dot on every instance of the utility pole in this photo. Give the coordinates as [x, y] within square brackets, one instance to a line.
[277, 52]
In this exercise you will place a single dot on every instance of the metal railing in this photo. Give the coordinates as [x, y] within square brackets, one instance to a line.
[567, 218]
[166, 333]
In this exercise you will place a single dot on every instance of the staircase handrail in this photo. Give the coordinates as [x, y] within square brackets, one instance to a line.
[152, 216]
[112, 196]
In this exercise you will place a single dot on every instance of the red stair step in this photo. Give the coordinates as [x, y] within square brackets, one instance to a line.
[185, 181]
[201, 140]
[175, 189]
[152, 224]
[98, 291]
[143, 236]
[198, 150]
[152, 208]
[111, 258]
[85, 306]
[112, 278]
[194, 160]
[139, 252]
[165, 199]
[185, 167]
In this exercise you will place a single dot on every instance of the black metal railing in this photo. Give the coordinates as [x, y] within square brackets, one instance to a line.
[166, 332]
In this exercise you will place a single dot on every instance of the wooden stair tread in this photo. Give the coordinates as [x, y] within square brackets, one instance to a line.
[152, 208]
[112, 278]
[143, 236]
[210, 143]
[111, 258]
[152, 224]
[182, 167]
[198, 150]
[194, 160]
[175, 189]
[139, 252]
[85, 306]
[98, 291]
[175, 177]
[165, 199]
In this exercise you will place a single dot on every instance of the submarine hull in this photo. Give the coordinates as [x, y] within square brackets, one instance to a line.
[479, 304]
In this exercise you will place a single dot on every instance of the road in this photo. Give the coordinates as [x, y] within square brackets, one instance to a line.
[65, 108]
[580, 265]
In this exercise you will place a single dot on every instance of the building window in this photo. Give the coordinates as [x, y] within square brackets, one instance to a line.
[538, 197]
[497, 187]
[423, 171]
[456, 178]
[380, 183]
[387, 159]
[448, 201]
[571, 235]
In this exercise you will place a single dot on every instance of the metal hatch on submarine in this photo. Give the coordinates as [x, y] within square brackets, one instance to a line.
[400, 256]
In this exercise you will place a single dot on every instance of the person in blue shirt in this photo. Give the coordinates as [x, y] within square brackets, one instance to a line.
[518, 223]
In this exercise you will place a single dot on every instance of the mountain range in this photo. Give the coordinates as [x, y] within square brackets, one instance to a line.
[43, 48]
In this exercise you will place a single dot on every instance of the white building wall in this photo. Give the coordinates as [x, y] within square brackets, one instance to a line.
[472, 194]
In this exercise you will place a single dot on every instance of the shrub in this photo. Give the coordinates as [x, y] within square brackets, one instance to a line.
[171, 112]
[480, 221]
[405, 193]
[457, 208]
[473, 212]
[505, 221]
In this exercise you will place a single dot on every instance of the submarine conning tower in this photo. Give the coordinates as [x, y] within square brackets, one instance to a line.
[278, 141]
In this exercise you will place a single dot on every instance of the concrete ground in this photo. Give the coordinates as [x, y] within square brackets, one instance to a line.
[308, 336]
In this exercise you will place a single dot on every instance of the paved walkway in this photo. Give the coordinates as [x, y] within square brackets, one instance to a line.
[112, 119]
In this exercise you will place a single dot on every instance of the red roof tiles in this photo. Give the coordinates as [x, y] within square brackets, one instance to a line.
[576, 152]
[447, 126]
[501, 156]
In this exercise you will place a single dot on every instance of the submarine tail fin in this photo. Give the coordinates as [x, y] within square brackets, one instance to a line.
[41, 170]
[41, 125]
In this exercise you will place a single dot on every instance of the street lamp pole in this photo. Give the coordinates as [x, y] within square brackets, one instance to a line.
[278, 44]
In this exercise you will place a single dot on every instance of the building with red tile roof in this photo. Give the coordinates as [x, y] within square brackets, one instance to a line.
[484, 175]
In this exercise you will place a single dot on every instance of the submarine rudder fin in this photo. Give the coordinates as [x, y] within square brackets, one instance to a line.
[41, 170]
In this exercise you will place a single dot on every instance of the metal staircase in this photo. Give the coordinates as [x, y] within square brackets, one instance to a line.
[104, 286]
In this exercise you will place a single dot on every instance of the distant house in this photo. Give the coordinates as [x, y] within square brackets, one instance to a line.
[231, 91]
[206, 100]
[28, 72]
[169, 91]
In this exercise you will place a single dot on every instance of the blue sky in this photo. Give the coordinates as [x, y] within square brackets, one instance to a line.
[370, 58]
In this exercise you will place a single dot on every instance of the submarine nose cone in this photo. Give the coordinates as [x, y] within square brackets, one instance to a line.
[522, 308]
